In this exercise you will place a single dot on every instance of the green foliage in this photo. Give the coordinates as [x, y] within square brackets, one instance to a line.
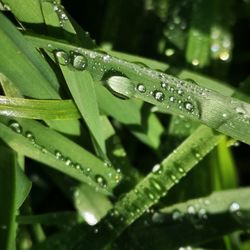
[102, 149]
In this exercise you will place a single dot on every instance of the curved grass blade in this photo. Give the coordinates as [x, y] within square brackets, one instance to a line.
[38, 109]
[38, 142]
[225, 114]
[8, 194]
[198, 220]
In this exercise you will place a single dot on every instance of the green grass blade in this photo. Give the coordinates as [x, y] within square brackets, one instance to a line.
[8, 193]
[38, 109]
[198, 220]
[225, 114]
[38, 142]
[81, 86]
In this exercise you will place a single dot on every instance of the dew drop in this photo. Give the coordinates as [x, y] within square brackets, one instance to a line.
[62, 57]
[188, 106]
[149, 194]
[106, 58]
[101, 180]
[68, 162]
[120, 86]
[202, 213]
[191, 210]
[158, 95]
[30, 136]
[157, 169]
[174, 178]
[15, 126]
[141, 88]
[195, 62]
[58, 155]
[158, 218]
[79, 61]
[164, 85]
[171, 98]
[177, 215]
[157, 185]
[234, 207]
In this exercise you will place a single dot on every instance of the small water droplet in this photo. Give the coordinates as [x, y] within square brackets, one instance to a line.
[180, 92]
[188, 106]
[169, 52]
[68, 162]
[15, 126]
[224, 115]
[224, 56]
[58, 155]
[177, 215]
[79, 61]
[191, 210]
[202, 213]
[30, 136]
[171, 98]
[158, 95]
[106, 58]
[164, 85]
[174, 178]
[234, 207]
[101, 180]
[62, 57]
[141, 88]
[195, 62]
[158, 218]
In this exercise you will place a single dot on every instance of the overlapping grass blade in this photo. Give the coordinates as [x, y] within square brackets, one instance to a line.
[38, 142]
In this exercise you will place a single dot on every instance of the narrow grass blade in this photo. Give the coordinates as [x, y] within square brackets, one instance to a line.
[38, 142]
[38, 109]
[8, 193]
[199, 220]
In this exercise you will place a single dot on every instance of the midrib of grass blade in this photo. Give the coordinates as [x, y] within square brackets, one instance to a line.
[199, 220]
[38, 109]
[38, 142]
[225, 114]
[8, 194]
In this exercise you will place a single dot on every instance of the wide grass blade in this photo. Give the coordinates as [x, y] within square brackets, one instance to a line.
[225, 114]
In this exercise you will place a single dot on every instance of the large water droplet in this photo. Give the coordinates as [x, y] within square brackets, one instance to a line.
[158, 95]
[101, 180]
[120, 86]
[141, 88]
[15, 126]
[79, 61]
[61, 57]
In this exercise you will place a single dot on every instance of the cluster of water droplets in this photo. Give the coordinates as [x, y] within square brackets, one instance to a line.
[74, 59]
[99, 179]
[59, 10]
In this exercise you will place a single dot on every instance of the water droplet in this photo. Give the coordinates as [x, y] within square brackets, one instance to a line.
[15, 126]
[157, 185]
[62, 57]
[181, 170]
[224, 56]
[169, 52]
[164, 85]
[106, 58]
[68, 162]
[188, 106]
[158, 95]
[171, 98]
[202, 213]
[180, 92]
[89, 218]
[58, 155]
[141, 88]
[177, 215]
[30, 136]
[79, 61]
[101, 180]
[234, 207]
[174, 178]
[191, 210]
[195, 62]
[157, 169]
[158, 218]
[149, 194]
[224, 115]
[120, 86]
